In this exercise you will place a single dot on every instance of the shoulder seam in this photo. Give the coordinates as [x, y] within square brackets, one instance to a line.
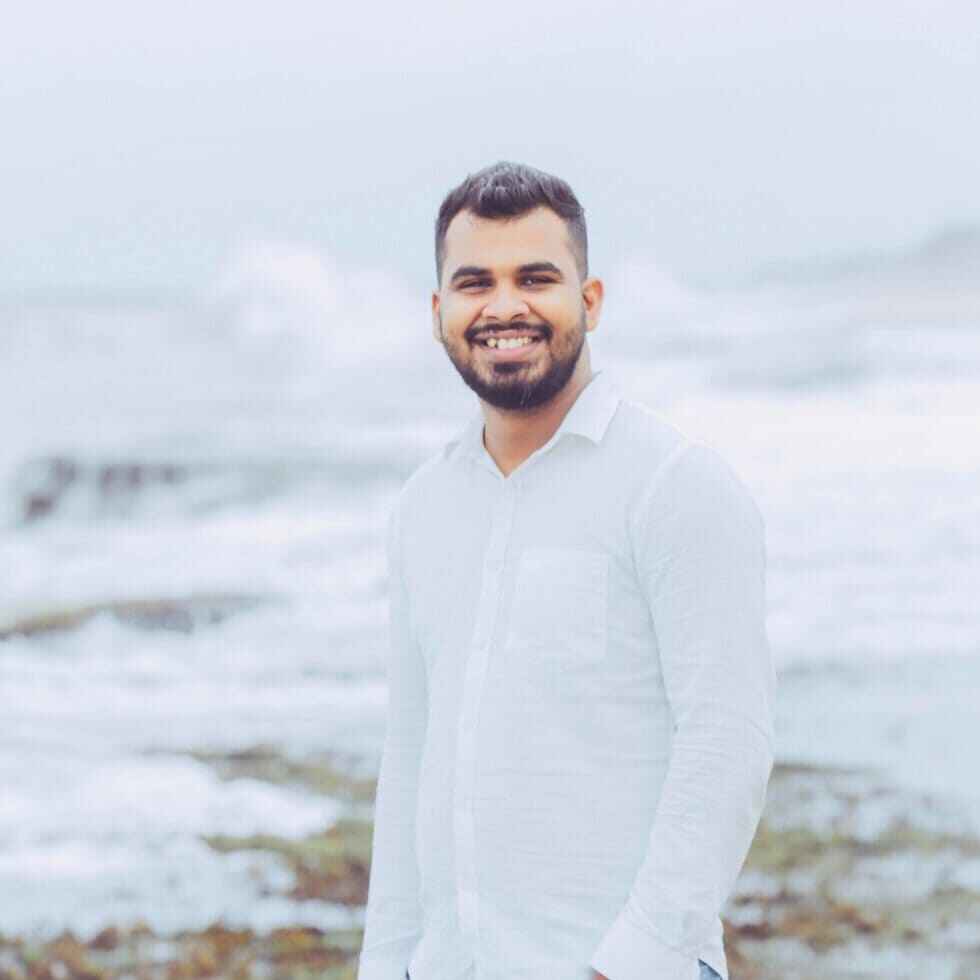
[684, 446]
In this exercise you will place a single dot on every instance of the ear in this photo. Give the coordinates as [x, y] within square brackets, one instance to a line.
[593, 292]
[436, 333]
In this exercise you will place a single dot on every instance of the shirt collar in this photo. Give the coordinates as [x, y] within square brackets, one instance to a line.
[589, 416]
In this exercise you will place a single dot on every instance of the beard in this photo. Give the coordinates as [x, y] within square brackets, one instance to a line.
[519, 385]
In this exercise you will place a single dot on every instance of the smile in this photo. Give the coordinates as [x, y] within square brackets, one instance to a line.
[509, 348]
[507, 343]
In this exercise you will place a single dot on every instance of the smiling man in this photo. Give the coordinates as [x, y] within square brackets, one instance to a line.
[580, 724]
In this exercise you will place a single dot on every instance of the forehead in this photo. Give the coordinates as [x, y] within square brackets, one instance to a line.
[538, 235]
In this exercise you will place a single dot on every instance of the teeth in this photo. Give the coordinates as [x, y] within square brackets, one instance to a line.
[508, 343]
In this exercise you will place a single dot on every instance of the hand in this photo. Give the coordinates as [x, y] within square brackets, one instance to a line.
[596, 975]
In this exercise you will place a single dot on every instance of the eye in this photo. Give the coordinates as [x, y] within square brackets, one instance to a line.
[541, 279]
[473, 282]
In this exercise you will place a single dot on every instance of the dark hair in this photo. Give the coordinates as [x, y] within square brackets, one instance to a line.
[509, 190]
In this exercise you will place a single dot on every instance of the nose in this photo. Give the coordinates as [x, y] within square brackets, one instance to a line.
[505, 304]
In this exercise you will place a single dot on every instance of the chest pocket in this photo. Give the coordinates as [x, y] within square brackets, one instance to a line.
[560, 604]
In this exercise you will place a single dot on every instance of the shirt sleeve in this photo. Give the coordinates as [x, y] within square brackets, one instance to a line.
[392, 925]
[699, 544]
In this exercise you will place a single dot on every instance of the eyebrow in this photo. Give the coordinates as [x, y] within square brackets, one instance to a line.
[524, 270]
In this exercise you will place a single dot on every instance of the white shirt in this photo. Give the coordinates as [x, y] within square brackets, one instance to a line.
[580, 701]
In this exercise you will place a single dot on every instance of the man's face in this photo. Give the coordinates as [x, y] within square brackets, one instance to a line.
[507, 279]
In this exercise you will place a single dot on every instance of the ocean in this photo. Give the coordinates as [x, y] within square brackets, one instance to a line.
[193, 497]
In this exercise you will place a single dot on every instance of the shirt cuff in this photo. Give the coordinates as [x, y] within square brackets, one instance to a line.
[629, 951]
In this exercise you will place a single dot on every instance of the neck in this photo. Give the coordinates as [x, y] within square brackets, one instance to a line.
[510, 436]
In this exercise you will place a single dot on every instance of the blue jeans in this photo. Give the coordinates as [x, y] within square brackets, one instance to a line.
[707, 973]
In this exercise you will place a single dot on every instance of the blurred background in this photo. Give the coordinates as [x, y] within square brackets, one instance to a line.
[216, 370]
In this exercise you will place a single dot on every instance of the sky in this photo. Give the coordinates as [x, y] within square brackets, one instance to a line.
[144, 144]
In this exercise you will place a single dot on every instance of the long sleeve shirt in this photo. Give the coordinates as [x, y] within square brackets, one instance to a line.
[579, 733]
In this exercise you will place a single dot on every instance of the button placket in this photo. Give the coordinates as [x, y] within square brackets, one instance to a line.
[475, 673]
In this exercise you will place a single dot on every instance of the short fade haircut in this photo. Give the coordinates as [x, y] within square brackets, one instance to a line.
[510, 190]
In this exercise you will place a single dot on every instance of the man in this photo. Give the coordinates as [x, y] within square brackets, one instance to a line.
[580, 688]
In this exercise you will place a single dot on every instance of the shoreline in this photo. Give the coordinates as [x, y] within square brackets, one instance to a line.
[847, 878]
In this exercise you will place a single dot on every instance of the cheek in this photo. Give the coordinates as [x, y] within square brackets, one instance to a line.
[564, 323]
[559, 310]
[456, 317]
